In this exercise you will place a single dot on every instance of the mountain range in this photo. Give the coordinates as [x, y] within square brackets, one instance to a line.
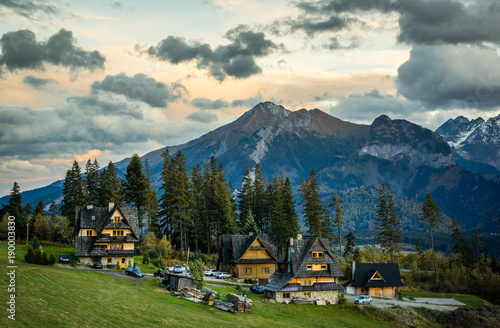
[411, 160]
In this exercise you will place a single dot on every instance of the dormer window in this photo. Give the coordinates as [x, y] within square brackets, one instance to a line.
[317, 255]
[117, 219]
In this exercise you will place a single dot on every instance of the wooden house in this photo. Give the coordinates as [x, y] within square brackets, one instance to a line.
[374, 279]
[247, 257]
[307, 270]
[109, 234]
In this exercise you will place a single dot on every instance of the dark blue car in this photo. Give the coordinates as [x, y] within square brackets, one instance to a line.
[134, 272]
[257, 289]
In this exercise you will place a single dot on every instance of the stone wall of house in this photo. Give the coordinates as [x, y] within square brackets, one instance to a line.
[331, 296]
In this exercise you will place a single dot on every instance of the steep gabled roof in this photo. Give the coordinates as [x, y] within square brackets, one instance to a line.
[235, 246]
[365, 272]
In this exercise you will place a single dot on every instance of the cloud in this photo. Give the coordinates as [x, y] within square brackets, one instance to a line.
[312, 26]
[202, 117]
[38, 83]
[249, 102]
[140, 87]
[204, 103]
[235, 60]
[334, 43]
[367, 106]
[27, 8]
[21, 50]
[451, 76]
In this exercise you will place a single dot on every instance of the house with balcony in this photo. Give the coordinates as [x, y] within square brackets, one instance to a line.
[109, 234]
[247, 257]
[307, 270]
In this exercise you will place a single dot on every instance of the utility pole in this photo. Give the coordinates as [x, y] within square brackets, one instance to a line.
[27, 233]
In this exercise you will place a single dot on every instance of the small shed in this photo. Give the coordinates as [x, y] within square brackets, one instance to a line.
[178, 281]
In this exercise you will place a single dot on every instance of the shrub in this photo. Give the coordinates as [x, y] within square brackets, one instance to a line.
[158, 262]
[129, 263]
[118, 265]
[342, 299]
[145, 258]
[153, 253]
[164, 246]
[52, 259]
[35, 243]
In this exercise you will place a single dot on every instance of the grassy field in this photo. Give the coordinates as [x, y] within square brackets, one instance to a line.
[51, 297]
[469, 300]
[22, 249]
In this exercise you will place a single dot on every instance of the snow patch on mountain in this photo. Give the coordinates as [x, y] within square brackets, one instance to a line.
[266, 134]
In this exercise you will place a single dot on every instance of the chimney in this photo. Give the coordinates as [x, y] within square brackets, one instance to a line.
[299, 236]
[250, 233]
[291, 241]
[353, 268]
[111, 206]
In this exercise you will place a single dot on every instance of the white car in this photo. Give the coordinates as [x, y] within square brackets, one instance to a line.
[363, 299]
[223, 275]
[178, 269]
[211, 272]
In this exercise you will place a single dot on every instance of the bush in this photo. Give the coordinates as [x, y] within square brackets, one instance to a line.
[158, 262]
[118, 268]
[45, 259]
[153, 253]
[35, 243]
[145, 258]
[52, 259]
[342, 299]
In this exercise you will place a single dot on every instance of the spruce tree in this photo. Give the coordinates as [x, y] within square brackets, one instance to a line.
[260, 205]
[338, 221]
[431, 214]
[73, 193]
[151, 205]
[135, 186]
[350, 244]
[39, 208]
[389, 234]
[462, 248]
[198, 209]
[15, 208]
[314, 210]
[249, 224]
[246, 197]
[92, 182]
[111, 186]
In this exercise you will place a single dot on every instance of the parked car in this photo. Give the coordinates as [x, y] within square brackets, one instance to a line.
[134, 272]
[64, 258]
[257, 289]
[211, 272]
[160, 273]
[97, 265]
[363, 299]
[223, 275]
[178, 269]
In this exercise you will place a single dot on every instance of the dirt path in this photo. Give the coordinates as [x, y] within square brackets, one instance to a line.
[440, 304]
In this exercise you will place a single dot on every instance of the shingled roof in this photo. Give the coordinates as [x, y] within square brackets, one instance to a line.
[363, 273]
[295, 260]
[235, 246]
[98, 218]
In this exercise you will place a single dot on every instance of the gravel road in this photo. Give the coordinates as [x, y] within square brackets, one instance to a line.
[440, 304]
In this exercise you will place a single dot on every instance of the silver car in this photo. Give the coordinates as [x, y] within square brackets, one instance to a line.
[363, 299]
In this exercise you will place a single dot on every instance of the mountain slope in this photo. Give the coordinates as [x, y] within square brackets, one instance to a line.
[409, 159]
[476, 140]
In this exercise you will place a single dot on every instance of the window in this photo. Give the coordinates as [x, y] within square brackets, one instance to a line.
[89, 233]
[117, 219]
[248, 270]
[306, 282]
[323, 267]
[109, 259]
[114, 233]
[307, 294]
[309, 267]
[317, 255]
[286, 295]
[117, 233]
[123, 260]
[265, 270]
[377, 276]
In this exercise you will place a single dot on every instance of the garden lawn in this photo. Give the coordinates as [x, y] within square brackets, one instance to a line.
[52, 297]
[469, 300]
[22, 249]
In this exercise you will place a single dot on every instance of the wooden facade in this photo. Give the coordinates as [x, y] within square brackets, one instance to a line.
[375, 279]
[247, 257]
[109, 234]
[307, 270]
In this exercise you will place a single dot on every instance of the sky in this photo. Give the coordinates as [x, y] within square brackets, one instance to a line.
[102, 80]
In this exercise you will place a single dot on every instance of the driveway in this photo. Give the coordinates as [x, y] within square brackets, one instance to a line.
[440, 304]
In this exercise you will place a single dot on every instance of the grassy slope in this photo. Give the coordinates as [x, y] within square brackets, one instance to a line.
[50, 297]
[22, 249]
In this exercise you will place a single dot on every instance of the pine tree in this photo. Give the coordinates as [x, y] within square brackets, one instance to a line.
[198, 209]
[338, 220]
[151, 205]
[462, 247]
[350, 244]
[260, 202]
[73, 193]
[314, 210]
[246, 197]
[39, 208]
[249, 224]
[389, 234]
[92, 182]
[136, 186]
[111, 186]
[15, 208]
[479, 250]
[431, 214]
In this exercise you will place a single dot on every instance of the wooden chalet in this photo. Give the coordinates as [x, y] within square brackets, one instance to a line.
[247, 257]
[374, 279]
[307, 270]
[109, 234]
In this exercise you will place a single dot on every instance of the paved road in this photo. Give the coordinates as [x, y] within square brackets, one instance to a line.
[440, 304]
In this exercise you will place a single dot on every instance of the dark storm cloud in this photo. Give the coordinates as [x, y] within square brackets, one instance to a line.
[21, 50]
[27, 8]
[236, 59]
[451, 76]
[202, 117]
[38, 83]
[205, 104]
[140, 87]
[420, 21]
